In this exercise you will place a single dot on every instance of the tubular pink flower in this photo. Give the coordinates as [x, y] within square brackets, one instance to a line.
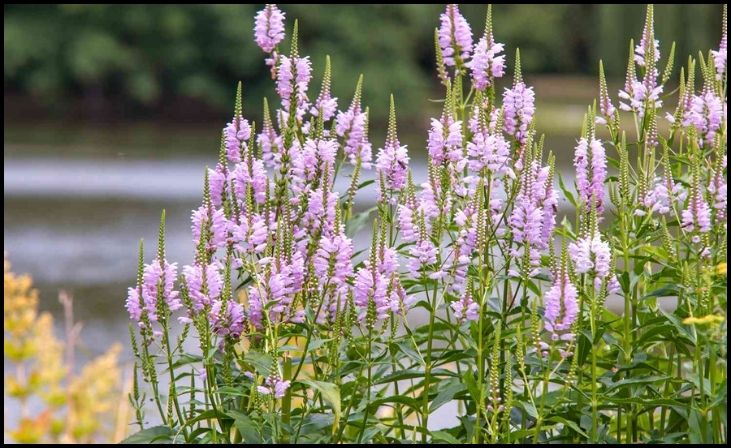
[706, 114]
[269, 28]
[393, 163]
[526, 222]
[591, 254]
[489, 151]
[294, 74]
[216, 225]
[423, 253]
[461, 256]
[217, 183]
[455, 36]
[332, 262]
[271, 145]
[278, 386]
[320, 213]
[590, 162]
[598, 173]
[388, 263]
[204, 284]
[445, 140]
[250, 174]
[275, 289]
[640, 49]
[658, 200]
[158, 280]
[717, 187]
[518, 110]
[613, 286]
[350, 125]
[427, 200]
[326, 103]
[637, 94]
[720, 56]
[371, 285]
[133, 304]
[229, 321]
[465, 309]
[236, 133]
[549, 203]
[561, 306]
[697, 217]
[251, 235]
[487, 63]
[409, 231]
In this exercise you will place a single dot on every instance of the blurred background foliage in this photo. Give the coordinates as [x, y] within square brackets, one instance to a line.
[172, 61]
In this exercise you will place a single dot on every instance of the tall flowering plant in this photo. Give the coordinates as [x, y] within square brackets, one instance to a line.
[472, 292]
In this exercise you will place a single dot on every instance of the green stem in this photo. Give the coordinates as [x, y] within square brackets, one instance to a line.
[480, 375]
[287, 400]
[368, 390]
[539, 420]
[594, 403]
[427, 370]
[399, 412]
[626, 340]
[169, 354]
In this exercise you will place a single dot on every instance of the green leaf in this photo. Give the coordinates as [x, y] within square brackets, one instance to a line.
[638, 380]
[444, 436]
[517, 435]
[471, 385]
[566, 192]
[317, 343]
[568, 423]
[331, 393]
[398, 376]
[447, 392]
[246, 427]
[408, 401]
[354, 225]
[262, 362]
[668, 290]
[156, 434]
[366, 183]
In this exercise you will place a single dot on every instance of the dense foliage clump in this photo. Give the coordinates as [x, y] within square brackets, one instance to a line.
[475, 292]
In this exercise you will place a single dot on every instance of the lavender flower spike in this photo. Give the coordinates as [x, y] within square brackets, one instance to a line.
[591, 171]
[561, 305]
[465, 309]
[487, 63]
[269, 28]
[720, 57]
[455, 36]
[518, 106]
[393, 158]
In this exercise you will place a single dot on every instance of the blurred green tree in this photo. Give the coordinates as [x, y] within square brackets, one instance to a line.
[145, 57]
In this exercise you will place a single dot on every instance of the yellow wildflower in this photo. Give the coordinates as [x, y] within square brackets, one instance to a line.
[711, 319]
[79, 409]
[721, 269]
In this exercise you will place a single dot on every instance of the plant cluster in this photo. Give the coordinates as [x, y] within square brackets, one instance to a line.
[301, 336]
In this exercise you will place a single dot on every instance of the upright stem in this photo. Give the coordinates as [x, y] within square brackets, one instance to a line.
[539, 420]
[427, 369]
[399, 412]
[287, 401]
[592, 320]
[480, 375]
[174, 398]
[368, 390]
[626, 339]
